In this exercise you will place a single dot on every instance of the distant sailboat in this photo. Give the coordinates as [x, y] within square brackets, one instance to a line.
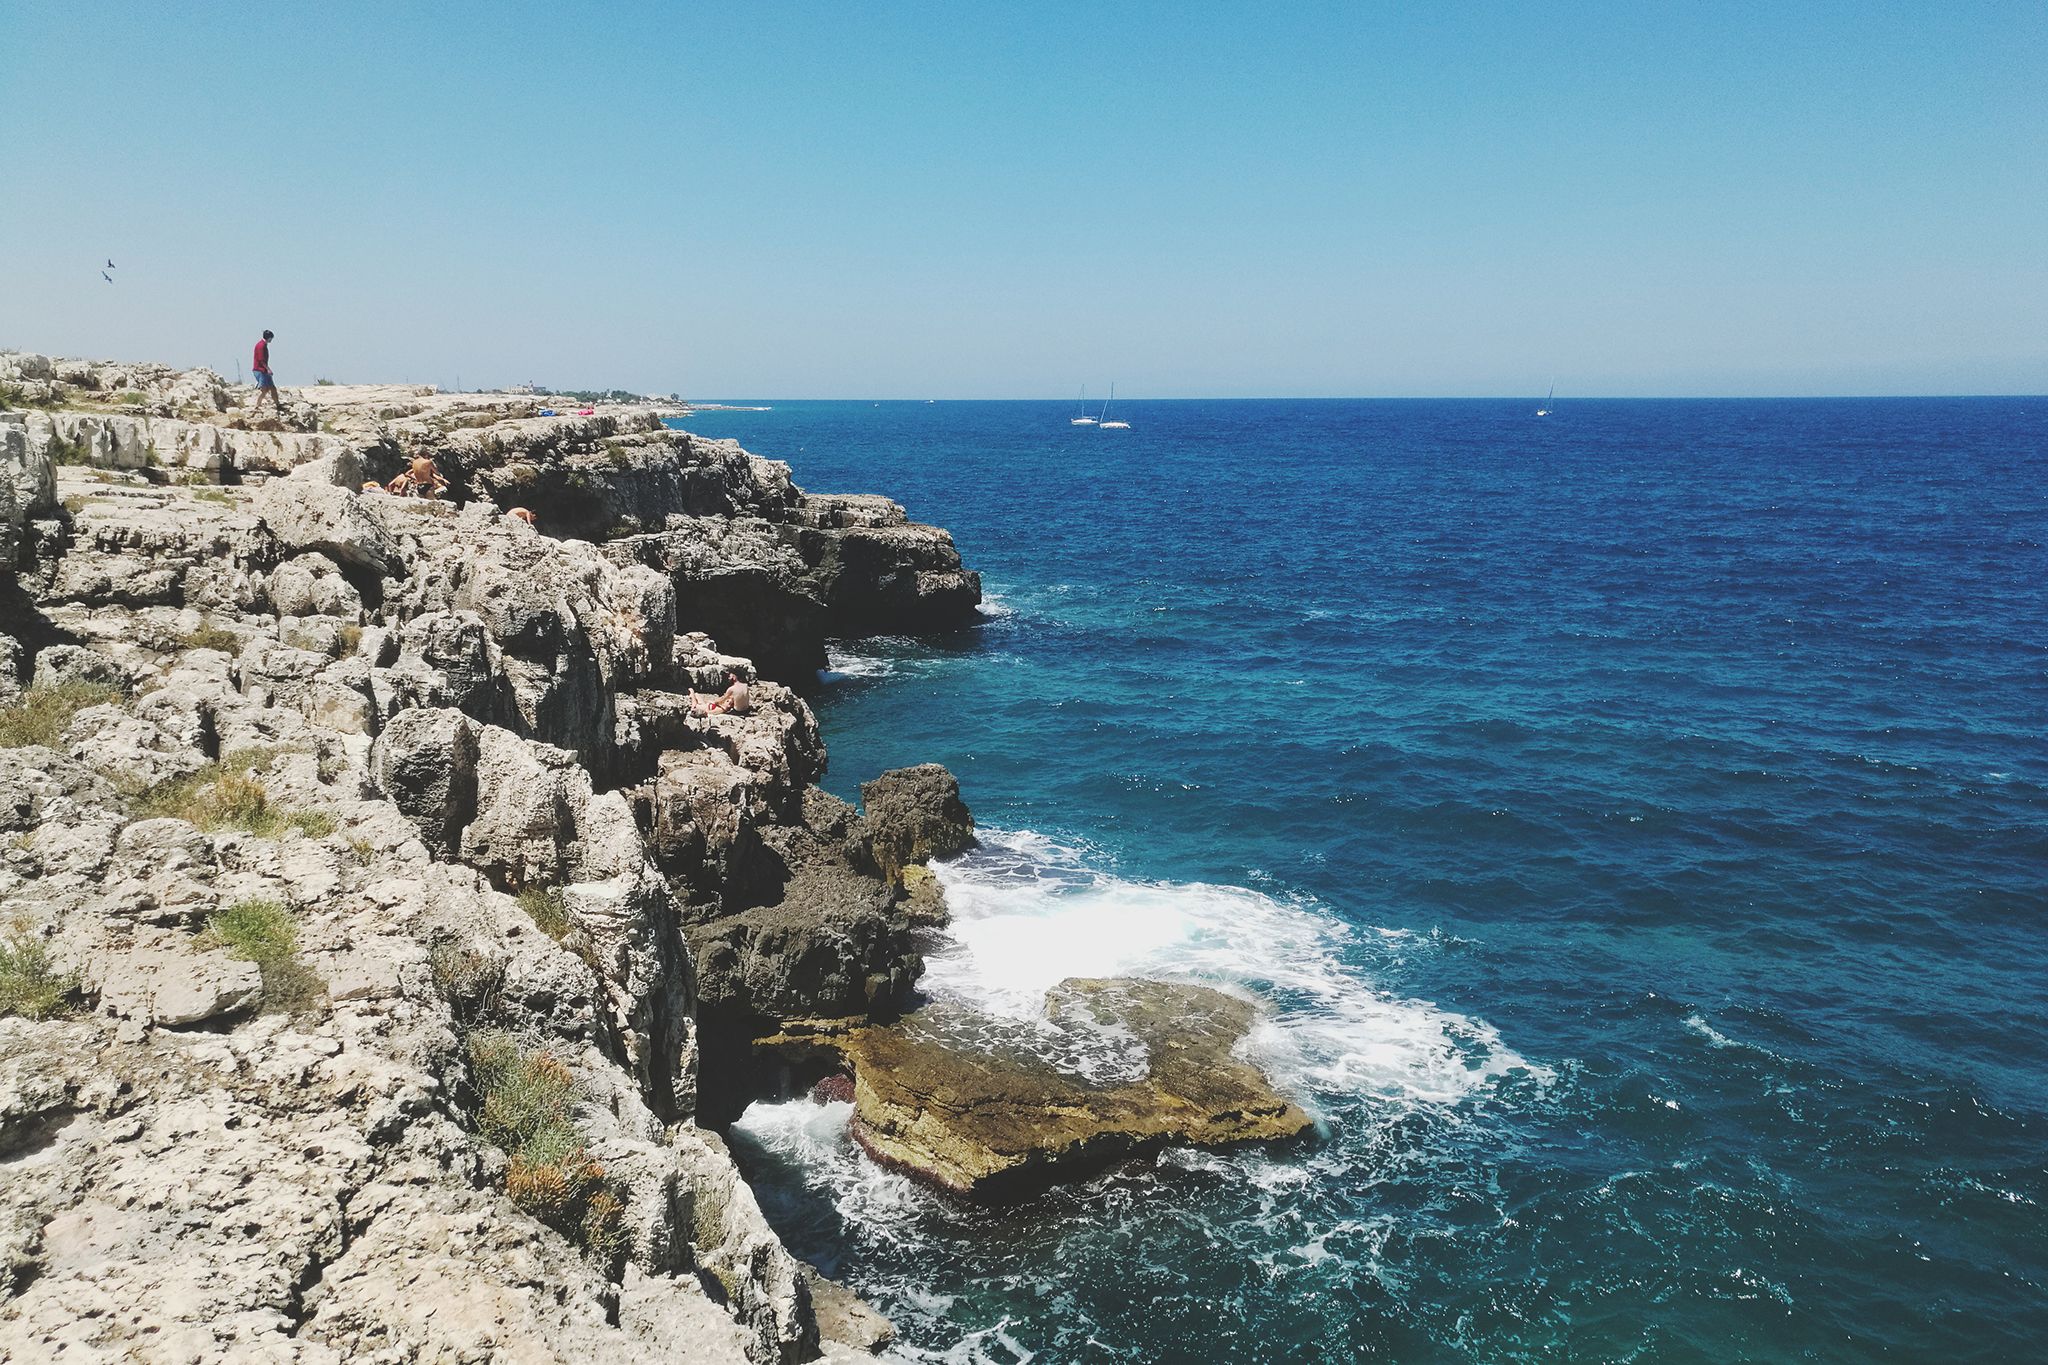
[1106, 424]
[1084, 420]
[1544, 411]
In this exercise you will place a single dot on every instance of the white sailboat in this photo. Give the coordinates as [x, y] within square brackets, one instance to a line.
[1105, 423]
[1544, 411]
[1084, 420]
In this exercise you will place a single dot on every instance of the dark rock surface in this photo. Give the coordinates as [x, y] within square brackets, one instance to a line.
[825, 943]
[911, 815]
[425, 763]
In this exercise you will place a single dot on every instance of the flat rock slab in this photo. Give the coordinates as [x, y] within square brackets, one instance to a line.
[994, 1112]
[175, 986]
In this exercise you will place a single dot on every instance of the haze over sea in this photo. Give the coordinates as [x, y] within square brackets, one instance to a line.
[1635, 822]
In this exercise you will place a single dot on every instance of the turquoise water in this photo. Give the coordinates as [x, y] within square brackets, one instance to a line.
[1635, 823]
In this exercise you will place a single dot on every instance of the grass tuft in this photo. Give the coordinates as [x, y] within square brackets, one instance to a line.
[65, 451]
[210, 635]
[314, 824]
[258, 930]
[549, 910]
[263, 932]
[29, 985]
[212, 493]
[472, 983]
[224, 796]
[44, 713]
[16, 396]
[527, 1098]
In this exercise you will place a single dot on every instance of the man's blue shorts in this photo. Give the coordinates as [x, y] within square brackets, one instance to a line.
[263, 380]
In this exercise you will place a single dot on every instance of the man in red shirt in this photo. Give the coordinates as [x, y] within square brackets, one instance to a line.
[264, 382]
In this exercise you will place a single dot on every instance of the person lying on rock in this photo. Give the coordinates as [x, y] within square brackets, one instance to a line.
[735, 700]
[521, 514]
[420, 480]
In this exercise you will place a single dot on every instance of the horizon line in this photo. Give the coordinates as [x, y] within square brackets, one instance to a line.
[1400, 398]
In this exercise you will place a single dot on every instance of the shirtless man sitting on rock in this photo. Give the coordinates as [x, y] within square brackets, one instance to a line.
[735, 700]
[420, 479]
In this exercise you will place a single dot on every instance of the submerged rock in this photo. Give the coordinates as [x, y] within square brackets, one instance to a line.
[988, 1112]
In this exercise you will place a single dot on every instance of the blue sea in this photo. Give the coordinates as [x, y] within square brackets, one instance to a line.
[1633, 823]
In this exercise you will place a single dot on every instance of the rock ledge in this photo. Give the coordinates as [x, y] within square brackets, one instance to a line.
[935, 1097]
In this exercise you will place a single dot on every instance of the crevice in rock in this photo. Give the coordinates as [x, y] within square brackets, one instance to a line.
[24, 1138]
[300, 1298]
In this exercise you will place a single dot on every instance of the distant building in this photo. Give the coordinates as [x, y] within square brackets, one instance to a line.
[522, 388]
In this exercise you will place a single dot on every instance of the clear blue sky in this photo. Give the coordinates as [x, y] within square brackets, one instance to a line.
[955, 200]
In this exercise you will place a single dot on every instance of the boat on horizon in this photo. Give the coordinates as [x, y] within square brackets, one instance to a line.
[1084, 420]
[1544, 411]
[1105, 424]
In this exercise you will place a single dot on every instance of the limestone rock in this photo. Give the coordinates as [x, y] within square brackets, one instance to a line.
[833, 948]
[912, 815]
[770, 1289]
[449, 708]
[924, 900]
[844, 1317]
[425, 762]
[311, 585]
[171, 984]
[700, 821]
[28, 486]
[60, 664]
[307, 512]
[130, 748]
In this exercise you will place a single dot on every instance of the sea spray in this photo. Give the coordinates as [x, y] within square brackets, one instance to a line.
[1030, 911]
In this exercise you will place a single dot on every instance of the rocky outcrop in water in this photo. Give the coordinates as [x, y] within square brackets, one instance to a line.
[993, 1111]
[367, 878]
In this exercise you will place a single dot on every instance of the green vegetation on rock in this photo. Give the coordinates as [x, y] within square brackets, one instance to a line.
[526, 1102]
[223, 795]
[64, 451]
[263, 932]
[549, 909]
[209, 635]
[471, 982]
[29, 985]
[15, 396]
[44, 713]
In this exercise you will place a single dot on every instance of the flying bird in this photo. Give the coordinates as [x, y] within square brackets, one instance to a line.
[105, 276]
[110, 265]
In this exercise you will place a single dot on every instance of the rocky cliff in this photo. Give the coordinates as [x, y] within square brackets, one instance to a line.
[379, 923]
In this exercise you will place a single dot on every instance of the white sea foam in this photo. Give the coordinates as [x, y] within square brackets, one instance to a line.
[1028, 912]
[841, 664]
[1694, 1023]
